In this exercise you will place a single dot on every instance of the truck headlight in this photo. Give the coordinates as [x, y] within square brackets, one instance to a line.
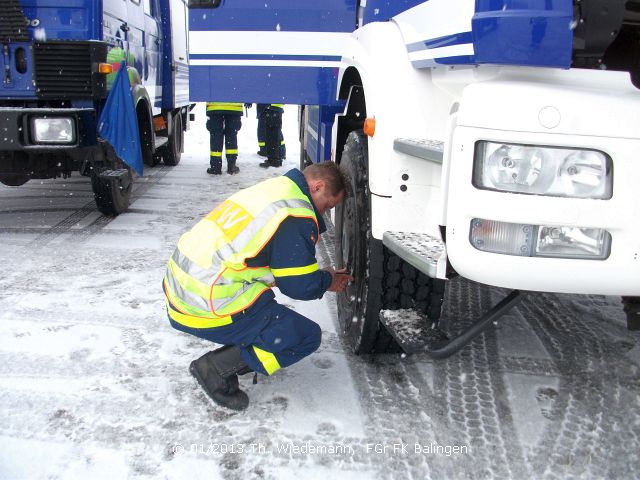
[53, 130]
[537, 170]
[539, 240]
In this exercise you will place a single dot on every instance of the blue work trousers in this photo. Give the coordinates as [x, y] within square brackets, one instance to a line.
[223, 129]
[262, 144]
[272, 328]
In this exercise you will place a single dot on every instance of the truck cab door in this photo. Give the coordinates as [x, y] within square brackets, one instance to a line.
[286, 52]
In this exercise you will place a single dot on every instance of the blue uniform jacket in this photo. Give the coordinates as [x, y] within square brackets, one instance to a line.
[293, 245]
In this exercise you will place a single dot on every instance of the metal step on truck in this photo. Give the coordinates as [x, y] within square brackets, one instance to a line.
[497, 140]
[59, 59]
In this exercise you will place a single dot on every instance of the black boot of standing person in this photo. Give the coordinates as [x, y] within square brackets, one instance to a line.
[232, 169]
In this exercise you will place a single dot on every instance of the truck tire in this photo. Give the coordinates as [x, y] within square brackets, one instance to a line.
[11, 180]
[173, 151]
[382, 279]
[360, 304]
[145, 129]
[302, 122]
[112, 196]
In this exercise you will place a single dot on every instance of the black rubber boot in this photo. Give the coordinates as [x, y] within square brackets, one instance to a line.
[271, 163]
[214, 171]
[231, 167]
[216, 372]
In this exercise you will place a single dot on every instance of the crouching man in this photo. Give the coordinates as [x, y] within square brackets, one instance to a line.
[218, 283]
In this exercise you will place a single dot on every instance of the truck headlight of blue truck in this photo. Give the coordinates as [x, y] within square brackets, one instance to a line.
[542, 170]
[54, 130]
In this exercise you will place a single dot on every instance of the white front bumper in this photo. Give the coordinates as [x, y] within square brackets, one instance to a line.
[619, 274]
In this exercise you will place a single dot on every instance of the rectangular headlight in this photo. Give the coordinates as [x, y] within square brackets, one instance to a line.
[539, 240]
[538, 170]
[53, 130]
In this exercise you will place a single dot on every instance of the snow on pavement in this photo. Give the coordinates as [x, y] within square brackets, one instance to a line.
[94, 382]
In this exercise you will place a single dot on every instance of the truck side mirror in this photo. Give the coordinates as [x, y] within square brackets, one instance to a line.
[204, 3]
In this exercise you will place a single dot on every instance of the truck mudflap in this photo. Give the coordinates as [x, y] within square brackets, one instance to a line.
[112, 190]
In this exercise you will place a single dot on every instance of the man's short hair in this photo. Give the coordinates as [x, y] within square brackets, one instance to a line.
[337, 180]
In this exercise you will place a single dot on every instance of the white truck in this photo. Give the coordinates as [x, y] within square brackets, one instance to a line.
[498, 140]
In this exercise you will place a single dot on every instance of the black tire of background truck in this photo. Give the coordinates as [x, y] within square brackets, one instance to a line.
[11, 180]
[173, 151]
[391, 284]
[145, 129]
[632, 309]
[111, 198]
[304, 162]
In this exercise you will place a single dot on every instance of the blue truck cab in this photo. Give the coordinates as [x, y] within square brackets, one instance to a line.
[59, 59]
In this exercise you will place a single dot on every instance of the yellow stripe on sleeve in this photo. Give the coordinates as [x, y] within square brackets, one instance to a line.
[292, 271]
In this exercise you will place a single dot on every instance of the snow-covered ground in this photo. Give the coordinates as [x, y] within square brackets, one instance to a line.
[94, 382]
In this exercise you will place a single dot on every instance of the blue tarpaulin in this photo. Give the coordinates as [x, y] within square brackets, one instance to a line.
[118, 123]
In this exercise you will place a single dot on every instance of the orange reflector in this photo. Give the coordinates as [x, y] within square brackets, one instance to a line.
[105, 68]
[159, 123]
[369, 127]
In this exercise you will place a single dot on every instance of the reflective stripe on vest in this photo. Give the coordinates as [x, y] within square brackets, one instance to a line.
[207, 276]
[228, 107]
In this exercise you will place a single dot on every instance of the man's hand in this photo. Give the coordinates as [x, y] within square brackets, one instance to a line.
[339, 279]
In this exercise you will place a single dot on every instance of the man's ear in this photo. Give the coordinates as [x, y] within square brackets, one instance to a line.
[315, 186]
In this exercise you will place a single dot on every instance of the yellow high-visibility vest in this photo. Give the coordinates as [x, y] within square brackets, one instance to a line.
[207, 279]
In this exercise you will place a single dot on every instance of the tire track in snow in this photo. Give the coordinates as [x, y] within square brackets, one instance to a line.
[140, 187]
[595, 414]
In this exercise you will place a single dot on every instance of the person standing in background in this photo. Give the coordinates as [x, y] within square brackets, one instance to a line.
[271, 115]
[223, 123]
[262, 149]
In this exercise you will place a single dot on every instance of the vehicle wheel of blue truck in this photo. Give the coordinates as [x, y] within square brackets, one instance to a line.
[304, 161]
[112, 189]
[173, 151]
[146, 136]
[359, 305]
[11, 180]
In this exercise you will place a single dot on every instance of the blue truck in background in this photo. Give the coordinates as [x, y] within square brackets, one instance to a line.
[59, 59]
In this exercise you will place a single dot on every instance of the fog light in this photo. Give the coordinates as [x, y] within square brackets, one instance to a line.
[53, 130]
[539, 240]
[573, 242]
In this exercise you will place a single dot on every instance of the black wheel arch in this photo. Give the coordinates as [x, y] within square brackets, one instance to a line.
[351, 90]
